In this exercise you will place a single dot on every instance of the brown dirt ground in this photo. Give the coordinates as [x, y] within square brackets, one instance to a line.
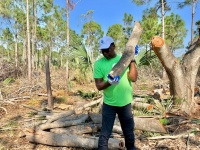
[12, 123]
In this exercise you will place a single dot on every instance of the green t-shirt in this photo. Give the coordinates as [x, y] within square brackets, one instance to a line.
[115, 95]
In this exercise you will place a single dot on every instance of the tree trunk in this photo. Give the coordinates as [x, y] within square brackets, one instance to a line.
[128, 54]
[181, 75]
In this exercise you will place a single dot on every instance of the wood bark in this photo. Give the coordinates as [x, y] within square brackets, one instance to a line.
[128, 54]
[145, 124]
[71, 140]
[181, 75]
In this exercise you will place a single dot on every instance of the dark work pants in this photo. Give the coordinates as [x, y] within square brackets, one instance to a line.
[127, 124]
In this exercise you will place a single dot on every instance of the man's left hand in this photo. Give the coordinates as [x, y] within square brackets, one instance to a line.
[136, 50]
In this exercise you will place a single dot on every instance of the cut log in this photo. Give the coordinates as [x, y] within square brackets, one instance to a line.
[71, 112]
[79, 129]
[157, 42]
[149, 124]
[60, 124]
[71, 140]
[144, 124]
[116, 128]
[140, 105]
[128, 54]
[69, 118]
[60, 115]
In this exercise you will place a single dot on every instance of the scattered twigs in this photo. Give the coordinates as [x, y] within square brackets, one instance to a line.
[186, 134]
[7, 102]
[15, 99]
[8, 128]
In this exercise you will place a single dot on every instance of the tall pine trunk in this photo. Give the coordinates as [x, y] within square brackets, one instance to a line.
[67, 40]
[28, 41]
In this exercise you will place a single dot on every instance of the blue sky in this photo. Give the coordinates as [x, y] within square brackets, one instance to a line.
[109, 12]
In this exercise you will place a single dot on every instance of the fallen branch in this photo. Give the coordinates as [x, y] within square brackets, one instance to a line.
[17, 98]
[171, 137]
[26, 106]
[42, 94]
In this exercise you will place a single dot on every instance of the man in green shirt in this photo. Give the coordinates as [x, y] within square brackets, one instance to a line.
[117, 93]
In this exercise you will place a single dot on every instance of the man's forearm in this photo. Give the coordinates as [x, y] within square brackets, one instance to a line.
[102, 85]
[132, 74]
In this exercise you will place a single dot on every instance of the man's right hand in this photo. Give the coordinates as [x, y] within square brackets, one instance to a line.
[113, 80]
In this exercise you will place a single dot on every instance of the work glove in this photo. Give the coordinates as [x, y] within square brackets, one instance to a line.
[136, 50]
[114, 80]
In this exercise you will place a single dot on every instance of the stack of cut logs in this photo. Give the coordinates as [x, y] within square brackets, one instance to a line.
[80, 128]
